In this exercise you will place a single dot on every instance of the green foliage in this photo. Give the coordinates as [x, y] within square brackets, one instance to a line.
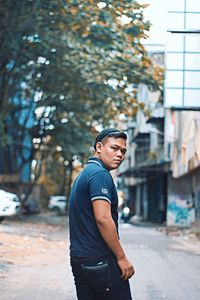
[75, 60]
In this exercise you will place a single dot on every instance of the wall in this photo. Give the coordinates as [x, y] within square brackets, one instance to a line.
[182, 200]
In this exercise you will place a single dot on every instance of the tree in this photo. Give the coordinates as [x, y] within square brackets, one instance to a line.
[79, 62]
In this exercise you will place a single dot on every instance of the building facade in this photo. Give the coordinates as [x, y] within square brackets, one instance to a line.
[161, 176]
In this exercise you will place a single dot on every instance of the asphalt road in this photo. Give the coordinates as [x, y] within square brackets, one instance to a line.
[166, 268]
[34, 261]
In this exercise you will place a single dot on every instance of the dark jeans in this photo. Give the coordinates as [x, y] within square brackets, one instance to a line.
[99, 279]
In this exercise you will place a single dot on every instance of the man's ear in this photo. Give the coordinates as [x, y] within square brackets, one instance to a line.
[98, 147]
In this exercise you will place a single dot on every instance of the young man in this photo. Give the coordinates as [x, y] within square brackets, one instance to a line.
[100, 267]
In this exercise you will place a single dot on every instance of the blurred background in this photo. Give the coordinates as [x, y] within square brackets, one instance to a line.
[71, 68]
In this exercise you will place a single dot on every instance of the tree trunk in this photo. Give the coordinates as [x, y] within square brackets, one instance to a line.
[69, 173]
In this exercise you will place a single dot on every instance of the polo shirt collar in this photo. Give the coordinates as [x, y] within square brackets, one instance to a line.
[97, 161]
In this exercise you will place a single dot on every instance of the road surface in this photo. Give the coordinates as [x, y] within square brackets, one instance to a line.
[34, 261]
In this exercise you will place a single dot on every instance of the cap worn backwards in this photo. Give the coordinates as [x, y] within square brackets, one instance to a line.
[109, 132]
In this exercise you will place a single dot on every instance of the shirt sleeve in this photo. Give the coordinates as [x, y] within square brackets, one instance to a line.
[100, 186]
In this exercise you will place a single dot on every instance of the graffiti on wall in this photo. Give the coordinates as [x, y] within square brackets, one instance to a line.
[180, 210]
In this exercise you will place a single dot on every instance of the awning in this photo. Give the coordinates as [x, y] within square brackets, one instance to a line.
[143, 171]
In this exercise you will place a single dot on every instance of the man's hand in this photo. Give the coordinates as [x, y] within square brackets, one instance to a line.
[126, 268]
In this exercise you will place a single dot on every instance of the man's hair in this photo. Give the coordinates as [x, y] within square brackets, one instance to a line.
[109, 132]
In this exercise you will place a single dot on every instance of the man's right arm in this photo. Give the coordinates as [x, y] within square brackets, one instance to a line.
[106, 226]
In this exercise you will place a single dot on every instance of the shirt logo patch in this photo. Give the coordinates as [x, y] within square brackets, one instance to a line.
[104, 191]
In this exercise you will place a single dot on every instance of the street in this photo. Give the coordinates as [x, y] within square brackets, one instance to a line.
[34, 261]
[166, 268]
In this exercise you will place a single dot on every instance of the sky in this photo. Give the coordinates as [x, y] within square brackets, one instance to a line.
[156, 13]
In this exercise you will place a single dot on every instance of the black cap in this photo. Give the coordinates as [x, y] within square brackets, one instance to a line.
[109, 132]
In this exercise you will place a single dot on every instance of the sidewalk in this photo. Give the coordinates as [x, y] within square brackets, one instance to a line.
[192, 232]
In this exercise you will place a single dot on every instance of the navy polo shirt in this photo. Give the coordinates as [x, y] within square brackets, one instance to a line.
[94, 182]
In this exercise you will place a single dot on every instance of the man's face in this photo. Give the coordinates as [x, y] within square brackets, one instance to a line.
[112, 152]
